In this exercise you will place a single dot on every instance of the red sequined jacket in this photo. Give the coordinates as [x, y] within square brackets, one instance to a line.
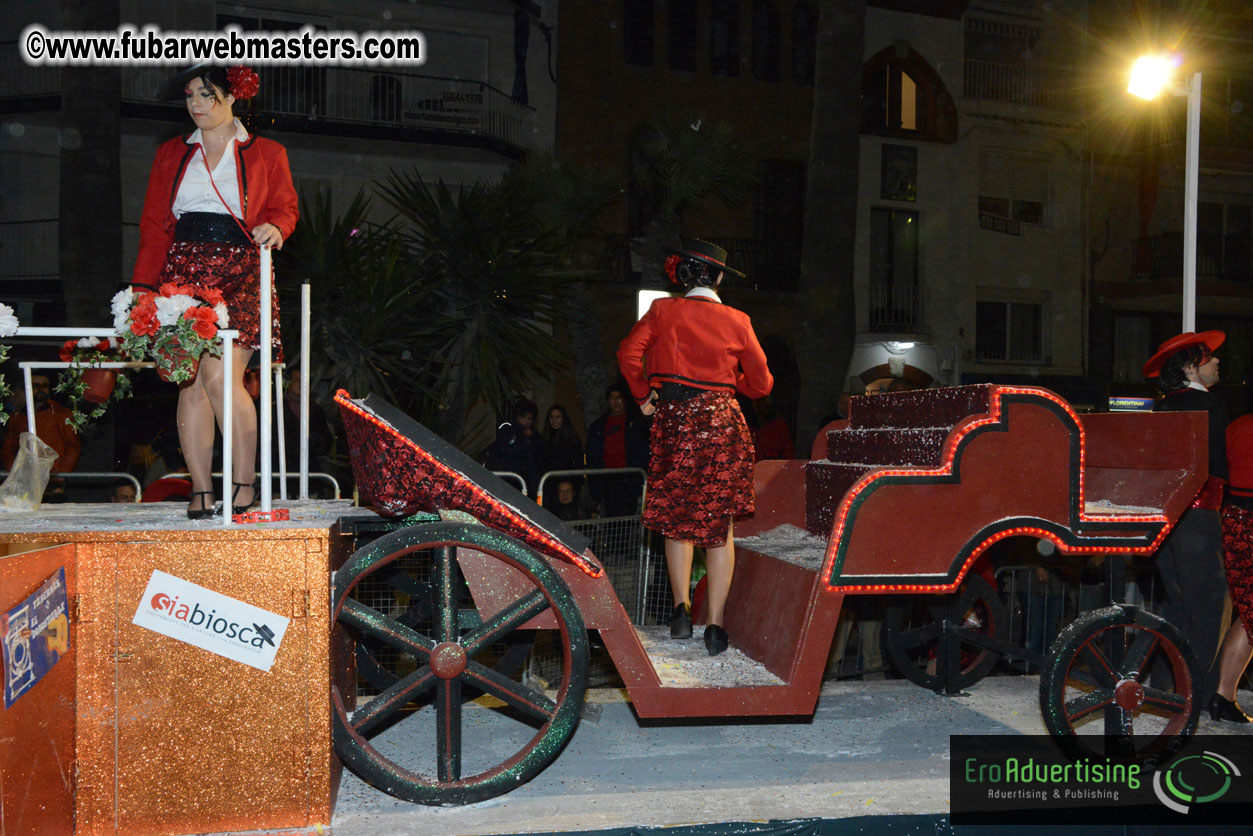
[697, 342]
[265, 193]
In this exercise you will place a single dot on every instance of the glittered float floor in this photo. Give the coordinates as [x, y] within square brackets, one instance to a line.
[684, 663]
[164, 516]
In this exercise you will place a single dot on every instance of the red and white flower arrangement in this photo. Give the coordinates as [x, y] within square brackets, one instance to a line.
[83, 382]
[172, 326]
[8, 327]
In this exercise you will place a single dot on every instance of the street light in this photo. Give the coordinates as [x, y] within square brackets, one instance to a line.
[1149, 77]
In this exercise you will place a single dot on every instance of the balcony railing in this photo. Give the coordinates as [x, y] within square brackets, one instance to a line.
[1016, 84]
[332, 95]
[1224, 257]
[895, 308]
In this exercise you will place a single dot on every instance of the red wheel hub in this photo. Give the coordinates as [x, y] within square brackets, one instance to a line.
[448, 660]
[1129, 694]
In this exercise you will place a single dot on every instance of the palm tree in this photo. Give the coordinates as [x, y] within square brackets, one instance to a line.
[569, 202]
[371, 322]
[679, 165]
[829, 328]
[494, 276]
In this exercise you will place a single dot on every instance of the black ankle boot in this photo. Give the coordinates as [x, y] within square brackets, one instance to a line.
[681, 622]
[1221, 708]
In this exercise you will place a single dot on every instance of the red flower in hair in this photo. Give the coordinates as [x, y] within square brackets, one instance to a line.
[244, 81]
[672, 263]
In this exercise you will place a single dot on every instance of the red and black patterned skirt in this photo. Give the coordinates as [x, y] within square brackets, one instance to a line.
[1238, 555]
[235, 270]
[701, 471]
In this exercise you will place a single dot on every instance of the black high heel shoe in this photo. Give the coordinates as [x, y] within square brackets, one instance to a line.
[1221, 708]
[206, 506]
[716, 639]
[681, 622]
[243, 509]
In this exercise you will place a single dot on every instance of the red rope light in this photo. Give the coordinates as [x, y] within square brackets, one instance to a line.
[951, 446]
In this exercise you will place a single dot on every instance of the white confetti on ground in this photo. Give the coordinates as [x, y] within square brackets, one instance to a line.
[787, 542]
[685, 663]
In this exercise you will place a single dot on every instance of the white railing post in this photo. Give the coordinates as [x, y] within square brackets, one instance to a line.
[266, 312]
[305, 337]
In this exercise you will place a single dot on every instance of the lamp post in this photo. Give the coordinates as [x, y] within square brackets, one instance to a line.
[1149, 77]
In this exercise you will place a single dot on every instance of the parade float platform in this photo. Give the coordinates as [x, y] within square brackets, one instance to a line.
[132, 731]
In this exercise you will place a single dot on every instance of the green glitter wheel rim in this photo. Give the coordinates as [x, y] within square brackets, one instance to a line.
[910, 636]
[431, 694]
[1098, 697]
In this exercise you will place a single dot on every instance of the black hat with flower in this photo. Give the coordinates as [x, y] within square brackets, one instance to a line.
[239, 81]
[707, 258]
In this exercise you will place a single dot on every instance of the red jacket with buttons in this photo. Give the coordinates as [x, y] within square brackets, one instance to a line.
[265, 193]
[697, 342]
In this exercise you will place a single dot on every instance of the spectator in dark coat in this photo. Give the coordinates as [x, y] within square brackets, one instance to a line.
[518, 448]
[615, 440]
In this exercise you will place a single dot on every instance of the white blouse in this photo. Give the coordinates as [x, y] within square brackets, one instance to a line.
[196, 194]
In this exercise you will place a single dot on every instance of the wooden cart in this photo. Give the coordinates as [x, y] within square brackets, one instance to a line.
[901, 500]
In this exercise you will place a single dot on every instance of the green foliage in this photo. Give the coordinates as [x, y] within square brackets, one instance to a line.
[450, 304]
[680, 163]
[495, 276]
[73, 387]
[371, 323]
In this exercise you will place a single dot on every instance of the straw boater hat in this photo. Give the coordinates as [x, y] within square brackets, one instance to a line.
[1210, 339]
[704, 251]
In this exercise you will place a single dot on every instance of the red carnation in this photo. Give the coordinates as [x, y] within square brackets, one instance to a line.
[67, 351]
[203, 321]
[144, 320]
[243, 81]
[672, 263]
[212, 295]
[171, 289]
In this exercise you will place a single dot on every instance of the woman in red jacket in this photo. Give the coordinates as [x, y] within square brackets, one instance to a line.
[214, 197]
[684, 361]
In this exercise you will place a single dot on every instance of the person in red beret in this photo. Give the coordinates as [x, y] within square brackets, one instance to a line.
[684, 361]
[1190, 561]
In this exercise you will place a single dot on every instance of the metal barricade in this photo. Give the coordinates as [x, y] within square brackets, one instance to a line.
[1042, 599]
[94, 476]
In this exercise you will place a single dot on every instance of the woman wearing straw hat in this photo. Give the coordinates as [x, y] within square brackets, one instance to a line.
[684, 361]
[215, 196]
[1190, 562]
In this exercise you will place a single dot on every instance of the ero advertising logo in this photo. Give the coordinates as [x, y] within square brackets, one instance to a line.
[1194, 779]
[210, 621]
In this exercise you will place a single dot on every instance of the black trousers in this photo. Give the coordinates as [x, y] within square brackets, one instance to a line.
[1190, 565]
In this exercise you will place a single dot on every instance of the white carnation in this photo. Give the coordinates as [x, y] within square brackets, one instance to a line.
[88, 342]
[220, 310]
[170, 308]
[8, 321]
[121, 308]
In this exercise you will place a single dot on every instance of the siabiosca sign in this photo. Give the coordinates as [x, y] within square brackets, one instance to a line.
[210, 621]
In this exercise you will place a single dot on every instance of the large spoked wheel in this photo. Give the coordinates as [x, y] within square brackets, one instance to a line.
[911, 632]
[402, 589]
[1095, 694]
[418, 721]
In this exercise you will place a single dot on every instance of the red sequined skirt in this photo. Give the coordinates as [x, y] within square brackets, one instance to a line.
[701, 471]
[1238, 556]
[235, 271]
